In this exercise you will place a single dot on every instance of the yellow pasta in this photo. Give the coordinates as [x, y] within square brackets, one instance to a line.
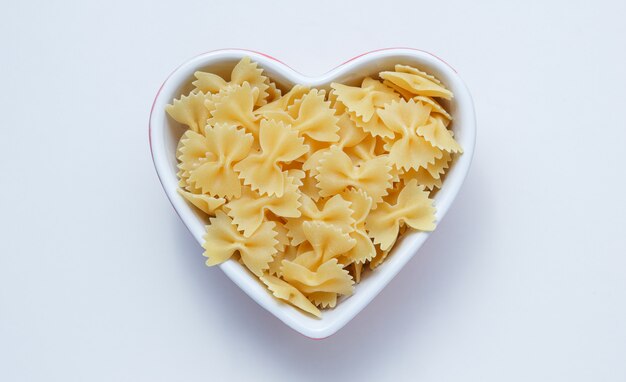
[337, 172]
[374, 126]
[222, 240]
[285, 291]
[247, 72]
[409, 150]
[413, 208]
[310, 190]
[248, 212]
[380, 257]
[328, 277]
[311, 116]
[273, 92]
[244, 71]
[363, 100]
[409, 69]
[407, 95]
[283, 103]
[209, 158]
[327, 242]
[436, 133]
[208, 82]
[279, 144]
[335, 211]
[189, 110]
[281, 234]
[436, 108]
[290, 252]
[234, 107]
[366, 150]
[349, 136]
[205, 203]
[356, 270]
[361, 205]
[323, 299]
[418, 83]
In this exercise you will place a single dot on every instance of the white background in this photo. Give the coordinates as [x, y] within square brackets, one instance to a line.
[524, 280]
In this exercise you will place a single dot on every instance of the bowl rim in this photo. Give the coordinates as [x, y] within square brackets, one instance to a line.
[295, 319]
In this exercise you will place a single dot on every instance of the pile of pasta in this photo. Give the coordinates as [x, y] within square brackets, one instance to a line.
[310, 188]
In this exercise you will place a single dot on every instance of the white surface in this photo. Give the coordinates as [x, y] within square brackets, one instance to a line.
[523, 280]
[165, 134]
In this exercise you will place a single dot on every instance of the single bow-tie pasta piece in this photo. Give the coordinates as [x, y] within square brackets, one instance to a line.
[222, 240]
[262, 171]
[417, 84]
[235, 107]
[284, 291]
[363, 100]
[190, 110]
[413, 208]
[335, 211]
[327, 242]
[410, 150]
[248, 211]
[328, 277]
[209, 158]
[337, 172]
[439, 136]
[205, 203]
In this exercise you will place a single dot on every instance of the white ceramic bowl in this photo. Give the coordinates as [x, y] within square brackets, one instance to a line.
[165, 132]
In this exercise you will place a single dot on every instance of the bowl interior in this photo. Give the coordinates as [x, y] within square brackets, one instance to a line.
[165, 133]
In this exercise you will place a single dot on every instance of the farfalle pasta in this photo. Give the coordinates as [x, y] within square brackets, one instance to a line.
[279, 144]
[307, 188]
[334, 211]
[209, 158]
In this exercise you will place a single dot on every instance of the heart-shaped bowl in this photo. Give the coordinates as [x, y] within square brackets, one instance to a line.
[164, 134]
